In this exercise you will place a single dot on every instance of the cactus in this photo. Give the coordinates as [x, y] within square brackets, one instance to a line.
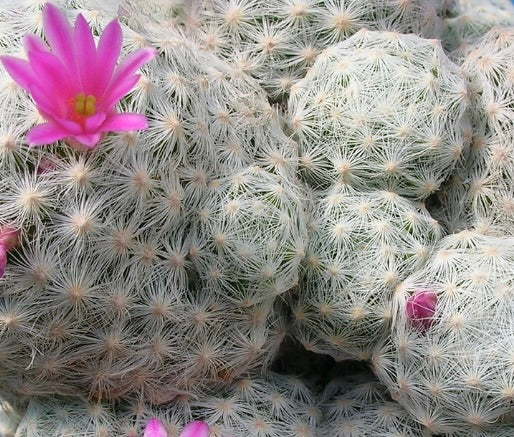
[481, 194]
[154, 273]
[454, 375]
[364, 409]
[381, 110]
[342, 307]
[469, 25]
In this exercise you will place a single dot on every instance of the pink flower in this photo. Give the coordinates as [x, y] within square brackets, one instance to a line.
[421, 308]
[76, 84]
[155, 428]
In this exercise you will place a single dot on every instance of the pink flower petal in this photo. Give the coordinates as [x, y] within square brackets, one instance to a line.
[131, 63]
[34, 43]
[124, 122]
[89, 141]
[19, 70]
[58, 33]
[45, 133]
[195, 429]
[50, 72]
[154, 428]
[92, 123]
[71, 126]
[117, 91]
[3, 260]
[86, 54]
[108, 52]
[45, 104]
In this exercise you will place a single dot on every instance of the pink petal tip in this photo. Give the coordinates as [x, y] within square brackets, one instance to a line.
[195, 429]
[46, 133]
[155, 428]
[9, 237]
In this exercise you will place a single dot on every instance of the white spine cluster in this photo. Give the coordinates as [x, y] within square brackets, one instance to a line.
[381, 110]
[483, 193]
[456, 375]
[361, 247]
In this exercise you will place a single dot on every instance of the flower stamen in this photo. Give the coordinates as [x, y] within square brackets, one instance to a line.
[85, 105]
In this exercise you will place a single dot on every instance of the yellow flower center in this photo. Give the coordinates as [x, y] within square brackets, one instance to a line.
[85, 105]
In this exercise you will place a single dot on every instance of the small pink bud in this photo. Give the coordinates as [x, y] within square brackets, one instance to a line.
[421, 308]
[46, 165]
[3, 260]
[155, 428]
[9, 237]
[195, 429]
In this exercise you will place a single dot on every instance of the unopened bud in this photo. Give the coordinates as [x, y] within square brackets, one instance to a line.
[421, 308]
[9, 237]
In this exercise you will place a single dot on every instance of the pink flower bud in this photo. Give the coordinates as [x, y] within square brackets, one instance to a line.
[9, 237]
[155, 428]
[421, 308]
[3, 260]
[45, 166]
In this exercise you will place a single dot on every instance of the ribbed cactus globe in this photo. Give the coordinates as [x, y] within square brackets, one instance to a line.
[381, 110]
[481, 194]
[344, 306]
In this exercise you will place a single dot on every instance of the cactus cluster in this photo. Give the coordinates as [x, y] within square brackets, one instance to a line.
[276, 41]
[134, 247]
[339, 173]
[273, 406]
